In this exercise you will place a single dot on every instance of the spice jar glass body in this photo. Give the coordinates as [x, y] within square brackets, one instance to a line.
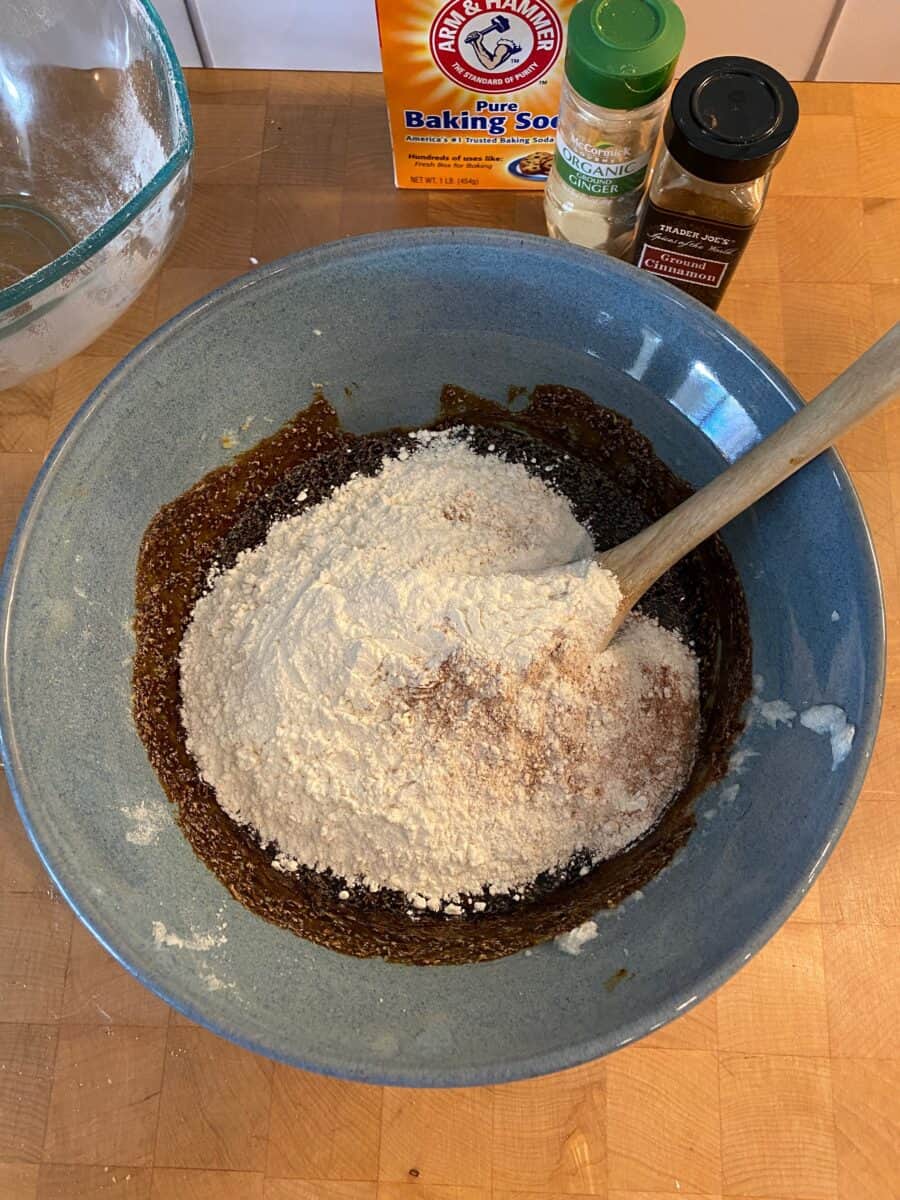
[600, 171]
[727, 126]
[675, 189]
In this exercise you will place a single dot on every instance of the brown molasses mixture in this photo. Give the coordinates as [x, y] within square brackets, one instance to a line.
[616, 486]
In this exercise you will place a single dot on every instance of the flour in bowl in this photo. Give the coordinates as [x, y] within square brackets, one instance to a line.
[400, 685]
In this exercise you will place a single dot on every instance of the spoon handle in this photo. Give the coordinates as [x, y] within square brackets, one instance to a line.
[867, 383]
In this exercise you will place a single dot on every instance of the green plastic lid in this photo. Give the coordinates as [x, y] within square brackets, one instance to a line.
[622, 53]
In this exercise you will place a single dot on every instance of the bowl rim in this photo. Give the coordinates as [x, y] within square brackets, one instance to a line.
[569, 1054]
[77, 255]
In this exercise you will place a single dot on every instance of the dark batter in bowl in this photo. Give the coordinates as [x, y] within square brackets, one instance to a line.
[616, 485]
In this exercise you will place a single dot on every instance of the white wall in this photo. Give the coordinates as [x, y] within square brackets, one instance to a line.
[823, 39]
[865, 44]
[785, 33]
[175, 15]
[307, 35]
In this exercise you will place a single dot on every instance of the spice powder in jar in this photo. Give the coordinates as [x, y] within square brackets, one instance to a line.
[728, 124]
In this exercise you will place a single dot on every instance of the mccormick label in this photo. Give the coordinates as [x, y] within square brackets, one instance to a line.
[599, 170]
[473, 90]
[696, 253]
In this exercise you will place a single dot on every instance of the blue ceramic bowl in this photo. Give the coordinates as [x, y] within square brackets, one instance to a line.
[400, 314]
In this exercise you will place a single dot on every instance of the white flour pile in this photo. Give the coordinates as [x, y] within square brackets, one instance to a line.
[395, 688]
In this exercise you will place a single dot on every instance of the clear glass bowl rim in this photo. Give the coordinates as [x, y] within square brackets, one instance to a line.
[73, 258]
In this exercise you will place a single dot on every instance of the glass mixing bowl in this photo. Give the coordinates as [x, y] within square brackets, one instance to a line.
[95, 148]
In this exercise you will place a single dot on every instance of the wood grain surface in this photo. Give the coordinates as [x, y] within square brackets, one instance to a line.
[785, 1085]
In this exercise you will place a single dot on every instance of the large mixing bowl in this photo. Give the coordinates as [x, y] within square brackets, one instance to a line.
[96, 141]
[400, 315]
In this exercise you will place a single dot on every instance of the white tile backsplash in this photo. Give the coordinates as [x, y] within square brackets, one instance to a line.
[865, 45]
[175, 17]
[342, 35]
[298, 35]
[784, 33]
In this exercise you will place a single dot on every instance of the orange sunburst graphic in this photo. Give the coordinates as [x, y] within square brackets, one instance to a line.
[411, 40]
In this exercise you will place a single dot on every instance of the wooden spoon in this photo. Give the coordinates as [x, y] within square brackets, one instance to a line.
[867, 383]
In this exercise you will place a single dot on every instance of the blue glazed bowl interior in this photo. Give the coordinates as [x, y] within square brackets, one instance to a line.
[400, 315]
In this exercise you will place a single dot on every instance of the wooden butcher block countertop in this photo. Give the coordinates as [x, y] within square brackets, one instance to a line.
[785, 1085]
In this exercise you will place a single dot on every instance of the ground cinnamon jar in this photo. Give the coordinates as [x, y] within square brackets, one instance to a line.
[728, 124]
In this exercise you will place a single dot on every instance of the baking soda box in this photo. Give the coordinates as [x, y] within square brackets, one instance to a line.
[473, 90]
